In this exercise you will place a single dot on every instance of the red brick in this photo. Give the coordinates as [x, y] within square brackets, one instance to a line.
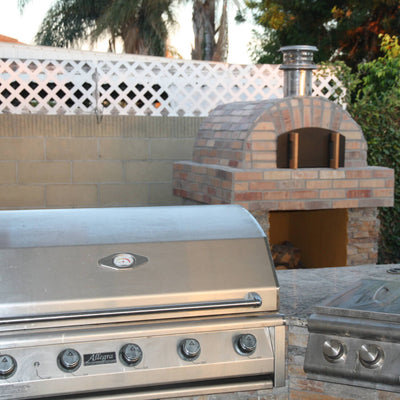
[224, 175]
[317, 204]
[349, 203]
[262, 205]
[248, 176]
[305, 194]
[287, 120]
[336, 120]
[227, 185]
[297, 118]
[317, 115]
[291, 205]
[263, 146]
[389, 183]
[326, 119]
[248, 196]
[345, 183]
[319, 184]
[276, 195]
[383, 193]
[241, 186]
[353, 145]
[359, 194]
[233, 163]
[264, 164]
[359, 174]
[332, 194]
[383, 173]
[277, 174]
[304, 174]
[372, 183]
[331, 174]
[262, 185]
[291, 184]
[307, 117]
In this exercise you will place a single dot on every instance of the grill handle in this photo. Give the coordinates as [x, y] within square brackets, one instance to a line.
[251, 300]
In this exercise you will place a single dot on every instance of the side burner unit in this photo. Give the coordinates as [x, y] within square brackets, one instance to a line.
[137, 303]
[355, 337]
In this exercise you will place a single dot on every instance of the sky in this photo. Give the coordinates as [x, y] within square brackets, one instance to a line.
[24, 27]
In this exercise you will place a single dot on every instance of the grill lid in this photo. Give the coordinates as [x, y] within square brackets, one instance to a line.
[136, 263]
[370, 298]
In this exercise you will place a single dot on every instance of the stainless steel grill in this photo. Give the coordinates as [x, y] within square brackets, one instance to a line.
[354, 337]
[137, 303]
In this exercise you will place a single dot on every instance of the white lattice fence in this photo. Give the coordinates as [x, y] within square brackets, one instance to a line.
[122, 85]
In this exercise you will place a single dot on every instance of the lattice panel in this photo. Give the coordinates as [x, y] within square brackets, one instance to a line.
[151, 86]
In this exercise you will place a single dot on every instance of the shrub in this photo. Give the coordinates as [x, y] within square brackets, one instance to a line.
[373, 100]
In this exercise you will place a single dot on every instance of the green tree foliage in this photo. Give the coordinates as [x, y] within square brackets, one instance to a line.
[346, 30]
[374, 102]
[141, 24]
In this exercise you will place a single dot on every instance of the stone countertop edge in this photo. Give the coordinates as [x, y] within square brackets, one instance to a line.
[302, 289]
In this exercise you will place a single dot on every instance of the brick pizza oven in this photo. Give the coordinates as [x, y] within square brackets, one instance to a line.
[298, 164]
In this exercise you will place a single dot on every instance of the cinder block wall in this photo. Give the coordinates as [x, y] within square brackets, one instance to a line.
[79, 161]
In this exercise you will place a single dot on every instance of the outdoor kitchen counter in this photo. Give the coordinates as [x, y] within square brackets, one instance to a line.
[302, 289]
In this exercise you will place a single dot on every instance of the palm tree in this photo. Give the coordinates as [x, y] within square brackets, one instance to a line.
[206, 46]
[141, 24]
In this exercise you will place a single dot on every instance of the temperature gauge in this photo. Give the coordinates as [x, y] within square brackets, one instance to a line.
[124, 260]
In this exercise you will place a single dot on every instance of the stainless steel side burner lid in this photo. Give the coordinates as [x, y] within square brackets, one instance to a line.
[354, 337]
[137, 303]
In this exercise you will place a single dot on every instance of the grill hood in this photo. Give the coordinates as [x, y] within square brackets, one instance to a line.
[57, 266]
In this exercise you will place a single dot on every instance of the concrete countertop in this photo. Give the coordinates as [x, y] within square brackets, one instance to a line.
[302, 289]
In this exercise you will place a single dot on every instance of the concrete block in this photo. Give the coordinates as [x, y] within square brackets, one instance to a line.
[71, 195]
[71, 149]
[123, 149]
[171, 149]
[134, 194]
[162, 194]
[97, 171]
[148, 171]
[44, 172]
[21, 149]
[21, 196]
[8, 172]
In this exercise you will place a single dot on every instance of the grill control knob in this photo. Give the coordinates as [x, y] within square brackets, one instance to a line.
[69, 360]
[370, 355]
[246, 344]
[7, 366]
[189, 349]
[131, 354]
[333, 350]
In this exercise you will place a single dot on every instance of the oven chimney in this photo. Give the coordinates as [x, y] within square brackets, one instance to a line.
[297, 66]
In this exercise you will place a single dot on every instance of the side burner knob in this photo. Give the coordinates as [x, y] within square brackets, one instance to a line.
[189, 349]
[7, 366]
[246, 344]
[370, 355]
[333, 350]
[131, 354]
[69, 360]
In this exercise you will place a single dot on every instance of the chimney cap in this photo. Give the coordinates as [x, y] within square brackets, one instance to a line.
[298, 57]
[298, 47]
